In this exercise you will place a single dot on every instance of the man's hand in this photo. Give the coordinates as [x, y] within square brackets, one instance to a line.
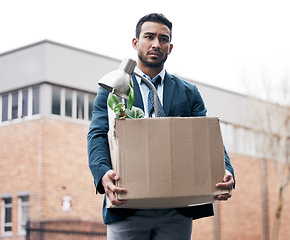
[228, 183]
[108, 182]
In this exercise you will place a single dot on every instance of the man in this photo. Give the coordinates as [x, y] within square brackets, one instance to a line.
[179, 98]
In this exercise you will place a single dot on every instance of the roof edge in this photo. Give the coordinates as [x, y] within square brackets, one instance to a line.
[58, 44]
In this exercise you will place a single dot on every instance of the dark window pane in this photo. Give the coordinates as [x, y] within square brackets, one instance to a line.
[35, 100]
[8, 200]
[68, 102]
[8, 215]
[24, 102]
[91, 105]
[56, 100]
[14, 105]
[25, 199]
[4, 107]
[80, 105]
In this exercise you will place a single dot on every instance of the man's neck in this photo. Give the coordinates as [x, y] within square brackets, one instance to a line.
[150, 71]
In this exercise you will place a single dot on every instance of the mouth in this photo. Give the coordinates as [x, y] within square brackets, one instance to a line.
[154, 53]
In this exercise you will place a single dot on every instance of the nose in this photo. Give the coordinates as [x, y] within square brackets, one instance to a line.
[156, 44]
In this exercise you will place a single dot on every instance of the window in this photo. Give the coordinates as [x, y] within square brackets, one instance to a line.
[56, 100]
[24, 102]
[68, 102]
[20, 103]
[80, 105]
[5, 107]
[23, 210]
[6, 218]
[14, 105]
[35, 100]
[72, 103]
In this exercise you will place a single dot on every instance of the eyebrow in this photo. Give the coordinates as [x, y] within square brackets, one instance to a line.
[154, 34]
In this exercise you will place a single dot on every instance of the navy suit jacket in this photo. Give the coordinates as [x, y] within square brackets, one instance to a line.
[180, 98]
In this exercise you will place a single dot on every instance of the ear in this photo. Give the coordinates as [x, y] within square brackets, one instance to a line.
[135, 43]
[170, 48]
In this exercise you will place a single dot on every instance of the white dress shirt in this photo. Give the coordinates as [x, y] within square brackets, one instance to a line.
[145, 90]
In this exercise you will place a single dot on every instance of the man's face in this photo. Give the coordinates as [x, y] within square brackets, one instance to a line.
[153, 45]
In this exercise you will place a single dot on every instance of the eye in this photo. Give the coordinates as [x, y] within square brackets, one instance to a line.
[165, 39]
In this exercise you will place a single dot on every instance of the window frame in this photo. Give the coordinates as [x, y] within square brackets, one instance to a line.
[30, 102]
[21, 205]
[4, 207]
[80, 103]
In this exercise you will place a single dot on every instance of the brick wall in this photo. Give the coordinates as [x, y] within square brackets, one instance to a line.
[48, 158]
[242, 216]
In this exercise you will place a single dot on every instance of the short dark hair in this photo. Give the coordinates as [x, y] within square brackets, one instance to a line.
[153, 17]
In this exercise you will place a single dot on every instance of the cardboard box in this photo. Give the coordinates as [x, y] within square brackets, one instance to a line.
[167, 162]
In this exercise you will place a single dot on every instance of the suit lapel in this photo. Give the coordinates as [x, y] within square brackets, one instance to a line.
[169, 85]
[138, 102]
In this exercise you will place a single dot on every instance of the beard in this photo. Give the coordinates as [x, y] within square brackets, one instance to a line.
[144, 59]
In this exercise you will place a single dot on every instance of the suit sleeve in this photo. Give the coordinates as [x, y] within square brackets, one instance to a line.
[198, 108]
[97, 140]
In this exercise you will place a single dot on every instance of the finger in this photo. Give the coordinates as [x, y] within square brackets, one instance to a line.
[228, 181]
[112, 188]
[223, 197]
[227, 178]
[113, 175]
[108, 180]
[114, 200]
[118, 202]
[226, 185]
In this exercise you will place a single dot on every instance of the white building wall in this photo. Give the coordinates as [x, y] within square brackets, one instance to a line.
[22, 68]
[76, 68]
[52, 62]
[244, 120]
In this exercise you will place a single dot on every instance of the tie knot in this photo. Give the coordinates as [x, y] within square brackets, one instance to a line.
[156, 81]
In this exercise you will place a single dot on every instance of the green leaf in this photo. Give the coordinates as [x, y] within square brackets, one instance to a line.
[118, 108]
[134, 112]
[113, 101]
[130, 100]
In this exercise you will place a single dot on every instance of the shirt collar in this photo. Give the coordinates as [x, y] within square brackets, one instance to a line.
[161, 74]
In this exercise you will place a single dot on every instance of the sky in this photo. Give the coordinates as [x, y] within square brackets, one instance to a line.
[231, 44]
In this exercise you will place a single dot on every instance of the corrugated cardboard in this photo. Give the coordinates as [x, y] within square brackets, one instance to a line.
[167, 162]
